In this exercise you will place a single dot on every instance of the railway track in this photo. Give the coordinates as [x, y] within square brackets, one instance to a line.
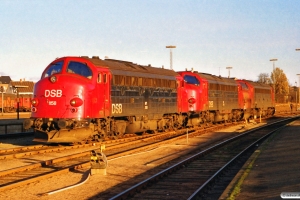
[18, 176]
[203, 175]
[41, 170]
[28, 150]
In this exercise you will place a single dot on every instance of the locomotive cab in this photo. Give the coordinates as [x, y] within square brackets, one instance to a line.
[80, 99]
[60, 101]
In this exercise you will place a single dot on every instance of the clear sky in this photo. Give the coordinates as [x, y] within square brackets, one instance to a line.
[209, 35]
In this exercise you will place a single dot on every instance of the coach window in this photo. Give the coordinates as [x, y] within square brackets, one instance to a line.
[53, 69]
[191, 80]
[80, 69]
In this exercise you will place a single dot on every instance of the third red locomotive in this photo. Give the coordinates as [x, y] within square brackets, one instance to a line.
[81, 98]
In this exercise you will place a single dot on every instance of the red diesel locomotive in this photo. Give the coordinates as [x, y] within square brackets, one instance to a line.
[213, 98]
[80, 99]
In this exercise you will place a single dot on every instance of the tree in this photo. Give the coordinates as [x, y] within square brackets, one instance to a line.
[281, 82]
[263, 78]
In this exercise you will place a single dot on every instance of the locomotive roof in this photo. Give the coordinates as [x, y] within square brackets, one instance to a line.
[217, 79]
[121, 67]
[257, 84]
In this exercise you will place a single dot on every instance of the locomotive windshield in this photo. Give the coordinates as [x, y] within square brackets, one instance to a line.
[53, 69]
[80, 69]
[191, 80]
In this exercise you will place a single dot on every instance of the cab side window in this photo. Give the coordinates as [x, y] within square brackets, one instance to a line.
[102, 78]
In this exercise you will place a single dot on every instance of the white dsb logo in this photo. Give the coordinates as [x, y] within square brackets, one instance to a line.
[116, 108]
[53, 93]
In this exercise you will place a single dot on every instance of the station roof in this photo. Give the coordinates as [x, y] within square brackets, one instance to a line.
[26, 87]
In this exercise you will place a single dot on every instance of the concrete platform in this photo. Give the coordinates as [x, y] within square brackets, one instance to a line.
[273, 170]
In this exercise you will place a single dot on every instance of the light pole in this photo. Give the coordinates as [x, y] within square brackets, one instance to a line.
[229, 68]
[299, 81]
[171, 60]
[273, 60]
[298, 91]
[16, 90]
[2, 91]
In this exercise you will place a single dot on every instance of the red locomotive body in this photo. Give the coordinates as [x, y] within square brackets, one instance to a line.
[80, 99]
[258, 98]
[211, 98]
[194, 95]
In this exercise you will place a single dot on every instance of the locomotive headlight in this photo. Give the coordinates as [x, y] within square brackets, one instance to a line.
[34, 102]
[73, 102]
[192, 100]
[53, 79]
[76, 102]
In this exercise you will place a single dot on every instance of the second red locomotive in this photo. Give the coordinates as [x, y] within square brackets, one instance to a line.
[81, 98]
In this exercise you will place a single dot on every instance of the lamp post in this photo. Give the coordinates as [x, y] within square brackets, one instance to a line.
[298, 91]
[171, 59]
[274, 60]
[229, 68]
[16, 90]
[2, 91]
[299, 81]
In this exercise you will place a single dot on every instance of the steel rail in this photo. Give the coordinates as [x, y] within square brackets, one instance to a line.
[195, 195]
[50, 162]
[138, 187]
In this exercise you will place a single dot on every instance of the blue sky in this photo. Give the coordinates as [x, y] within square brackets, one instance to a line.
[209, 35]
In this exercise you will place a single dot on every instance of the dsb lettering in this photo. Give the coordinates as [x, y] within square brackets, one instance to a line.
[53, 93]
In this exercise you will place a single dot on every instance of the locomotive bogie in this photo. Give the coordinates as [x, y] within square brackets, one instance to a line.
[141, 126]
[195, 121]
[221, 117]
